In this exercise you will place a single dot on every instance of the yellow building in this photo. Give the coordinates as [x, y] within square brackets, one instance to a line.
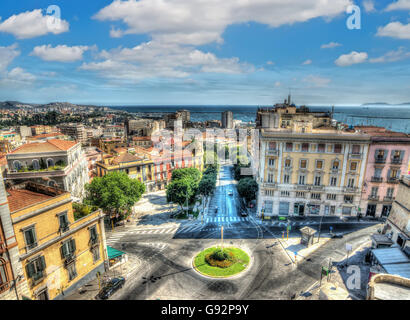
[57, 252]
[308, 166]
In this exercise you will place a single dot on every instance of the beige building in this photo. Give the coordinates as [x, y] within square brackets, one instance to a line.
[308, 164]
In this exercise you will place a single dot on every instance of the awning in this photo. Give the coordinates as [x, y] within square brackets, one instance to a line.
[113, 253]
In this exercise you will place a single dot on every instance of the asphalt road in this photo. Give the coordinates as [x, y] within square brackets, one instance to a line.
[166, 251]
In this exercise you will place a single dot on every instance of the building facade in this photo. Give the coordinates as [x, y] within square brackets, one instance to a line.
[56, 163]
[75, 130]
[308, 166]
[58, 253]
[227, 120]
[387, 160]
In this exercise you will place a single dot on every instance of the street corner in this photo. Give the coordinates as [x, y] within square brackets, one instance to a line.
[300, 252]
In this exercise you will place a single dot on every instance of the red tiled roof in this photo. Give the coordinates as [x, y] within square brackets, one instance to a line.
[47, 146]
[19, 199]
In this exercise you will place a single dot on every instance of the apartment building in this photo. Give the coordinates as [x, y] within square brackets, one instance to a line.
[56, 163]
[58, 253]
[398, 222]
[388, 159]
[40, 129]
[75, 130]
[308, 164]
[227, 120]
[13, 285]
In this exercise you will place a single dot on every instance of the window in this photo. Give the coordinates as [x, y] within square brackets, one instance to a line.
[289, 146]
[300, 194]
[303, 164]
[3, 273]
[72, 271]
[389, 193]
[269, 192]
[272, 145]
[316, 196]
[396, 154]
[374, 192]
[50, 162]
[35, 269]
[62, 218]
[285, 194]
[333, 181]
[270, 178]
[356, 149]
[394, 174]
[30, 238]
[350, 183]
[271, 162]
[67, 249]
[331, 196]
[353, 166]
[321, 147]
[348, 199]
[319, 164]
[286, 178]
[377, 172]
[93, 235]
[347, 211]
[96, 253]
[36, 164]
[17, 165]
[317, 180]
[288, 163]
[338, 148]
[305, 147]
[335, 165]
[302, 180]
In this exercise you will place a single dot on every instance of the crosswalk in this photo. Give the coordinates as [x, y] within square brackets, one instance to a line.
[226, 219]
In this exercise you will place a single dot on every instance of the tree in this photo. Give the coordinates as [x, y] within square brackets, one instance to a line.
[179, 191]
[115, 193]
[247, 188]
[182, 173]
[207, 185]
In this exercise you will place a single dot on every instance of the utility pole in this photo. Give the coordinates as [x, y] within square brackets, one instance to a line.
[320, 228]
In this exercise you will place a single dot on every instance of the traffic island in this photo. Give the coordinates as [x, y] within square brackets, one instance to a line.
[218, 262]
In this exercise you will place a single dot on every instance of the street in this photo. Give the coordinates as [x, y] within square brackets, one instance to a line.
[165, 248]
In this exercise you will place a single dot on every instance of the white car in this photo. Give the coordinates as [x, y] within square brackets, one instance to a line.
[230, 192]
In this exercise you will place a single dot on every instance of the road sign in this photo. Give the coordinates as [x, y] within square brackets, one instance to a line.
[348, 247]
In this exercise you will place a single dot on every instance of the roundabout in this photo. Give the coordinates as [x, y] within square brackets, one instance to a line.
[217, 262]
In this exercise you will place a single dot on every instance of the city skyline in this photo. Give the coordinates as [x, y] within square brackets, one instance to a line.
[171, 52]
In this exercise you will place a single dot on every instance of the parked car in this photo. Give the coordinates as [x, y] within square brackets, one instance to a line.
[230, 192]
[244, 213]
[110, 288]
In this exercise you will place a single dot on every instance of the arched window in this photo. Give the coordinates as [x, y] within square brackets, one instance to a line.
[3, 273]
[50, 162]
[36, 164]
[17, 165]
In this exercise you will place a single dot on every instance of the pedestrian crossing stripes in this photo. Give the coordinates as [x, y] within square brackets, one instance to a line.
[225, 219]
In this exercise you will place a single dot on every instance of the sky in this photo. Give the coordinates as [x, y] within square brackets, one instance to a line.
[205, 52]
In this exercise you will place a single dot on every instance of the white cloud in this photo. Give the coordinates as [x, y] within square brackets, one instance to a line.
[7, 55]
[369, 6]
[19, 75]
[395, 30]
[154, 59]
[32, 24]
[316, 81]
[61, 53]
[392, 56]
[351, 58]
[270, 63]
[277, 84]
[399, 5]
[307, 62]
[330, 45]
[199, 22]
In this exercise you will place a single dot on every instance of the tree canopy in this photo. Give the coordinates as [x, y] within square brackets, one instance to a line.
[247, 188]
[191, 173]
[181, 191]
[115, 193]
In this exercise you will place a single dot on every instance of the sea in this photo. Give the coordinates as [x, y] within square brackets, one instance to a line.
[392, 117]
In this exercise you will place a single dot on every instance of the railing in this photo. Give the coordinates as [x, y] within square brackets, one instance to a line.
[388, 198]
[5, 286]
[393, 180]
[302, 187]
[37, 278]
[69, 258]
[272, 152]
[64, 228]
[351, 189]
[373, 197]
[376, 179]
[31, 246]
[349, 201]
[355, 155]
[380, 160]
[396, 160]
[94, 241]
[321, 187]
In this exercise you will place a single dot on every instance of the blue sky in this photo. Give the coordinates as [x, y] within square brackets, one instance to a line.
[204, 52]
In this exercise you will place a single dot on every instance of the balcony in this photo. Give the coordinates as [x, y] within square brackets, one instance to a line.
[392, 180]
[396, 161]
[69, 258]
[319, 187]
[351, 189]
[373, 197]
[388, 198]
[269, 184]
[302, 187]
[36, 278]
[380, 160]
[376, 179]
[273, 152]
[356, 156]
[94, 241]
[334, 170]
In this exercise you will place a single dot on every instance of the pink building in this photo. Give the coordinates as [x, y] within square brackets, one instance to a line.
[388, 159]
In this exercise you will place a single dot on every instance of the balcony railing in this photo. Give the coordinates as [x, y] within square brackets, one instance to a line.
[380, 160]
[373, 197]
[392, 180]
[388, 198]
[355, 155]
[351, 189]
[376, 179]
[69, 258]
[396, 161]
[273, 152]
[318, 187]
[302, 187]
[36, 278]
[94, 241]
